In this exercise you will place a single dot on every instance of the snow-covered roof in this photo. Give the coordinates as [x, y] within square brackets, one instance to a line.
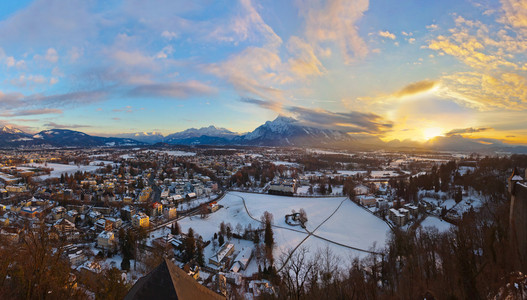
[106, 235]
[517, 178]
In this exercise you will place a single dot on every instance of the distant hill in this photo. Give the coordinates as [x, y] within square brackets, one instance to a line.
[13, 137]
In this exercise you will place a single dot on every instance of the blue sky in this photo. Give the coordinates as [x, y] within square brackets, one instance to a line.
[390, 69]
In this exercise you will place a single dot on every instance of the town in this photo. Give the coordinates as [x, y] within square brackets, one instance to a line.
[233, 219]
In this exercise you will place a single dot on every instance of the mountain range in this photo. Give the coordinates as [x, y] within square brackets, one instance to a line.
[11, 137]
[283, 131]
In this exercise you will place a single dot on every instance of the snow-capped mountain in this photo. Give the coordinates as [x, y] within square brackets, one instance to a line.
[145, 137]
[210, 131]
[12, 137]
[11, 130]
[285, 131]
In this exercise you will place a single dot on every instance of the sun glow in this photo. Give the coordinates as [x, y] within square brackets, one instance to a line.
[431, 132]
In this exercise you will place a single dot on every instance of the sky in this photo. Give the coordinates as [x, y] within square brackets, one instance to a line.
[407, 69]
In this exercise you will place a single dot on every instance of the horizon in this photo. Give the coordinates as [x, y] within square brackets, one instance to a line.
[366, 68]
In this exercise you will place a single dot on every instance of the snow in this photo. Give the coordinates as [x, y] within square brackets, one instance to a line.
[59, 169]
[333, 218]
[351, 173]
[352, 225]
[317, 209]
[174, 153]
[285, 163]
[432, 221]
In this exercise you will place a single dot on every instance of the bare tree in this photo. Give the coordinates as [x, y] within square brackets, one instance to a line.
[297, 269]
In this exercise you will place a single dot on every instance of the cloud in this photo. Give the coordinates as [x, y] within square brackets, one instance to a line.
[176, 90]
[169, 35]
[250, 76]
[31, 112]
[351, 122]
[335, 21]
[272, 105]
[515, 13]
[466, 130]
[432, 27]
[127, 109]
[416, 88]
[387, 34]
[486, 91]
[51, 55]
[248, 24]
[304, 62]
[40, 101]
[65, 126]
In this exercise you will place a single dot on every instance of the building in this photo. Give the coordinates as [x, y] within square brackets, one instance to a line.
[145, 194]
[225, 251]
[242, 259]
[170, 212]
[517, 217]
[103, 225]
[30, 212]
[140, 219]
[281, 186]
[213, 206]
[157, 209]
[368, 201]
[127, 212]
[167, 281]
[397, 217]
[106, 240]
[58, 212]
[15, 188]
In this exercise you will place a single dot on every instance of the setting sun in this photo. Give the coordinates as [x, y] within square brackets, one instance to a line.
[431, 132]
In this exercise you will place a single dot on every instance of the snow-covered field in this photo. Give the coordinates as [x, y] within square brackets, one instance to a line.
[285, 163]
[345, 223]
[352, 225]
[174, 153]
[59, 169]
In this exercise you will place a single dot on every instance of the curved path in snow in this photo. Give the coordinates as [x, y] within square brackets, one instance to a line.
[309, 233]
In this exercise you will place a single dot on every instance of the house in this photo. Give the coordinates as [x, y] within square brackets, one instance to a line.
[368, 201]
[145, 194]
[15, 188]
[281, 186]
[103, 225]
[397, 217]
[157, 209]
[225, 251]
[213, 206]
[192, 270]
[64, 226]
[243, 258]
[58, 212]
[31, 212]
[170, 212]
[140, 219]
[127, 212]
[71, 215]
[106, 240]
[116, 222]
[4, 221]
[382, 204]
[94, 216]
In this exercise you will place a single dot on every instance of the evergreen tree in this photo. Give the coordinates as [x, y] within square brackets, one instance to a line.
[200, 259]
